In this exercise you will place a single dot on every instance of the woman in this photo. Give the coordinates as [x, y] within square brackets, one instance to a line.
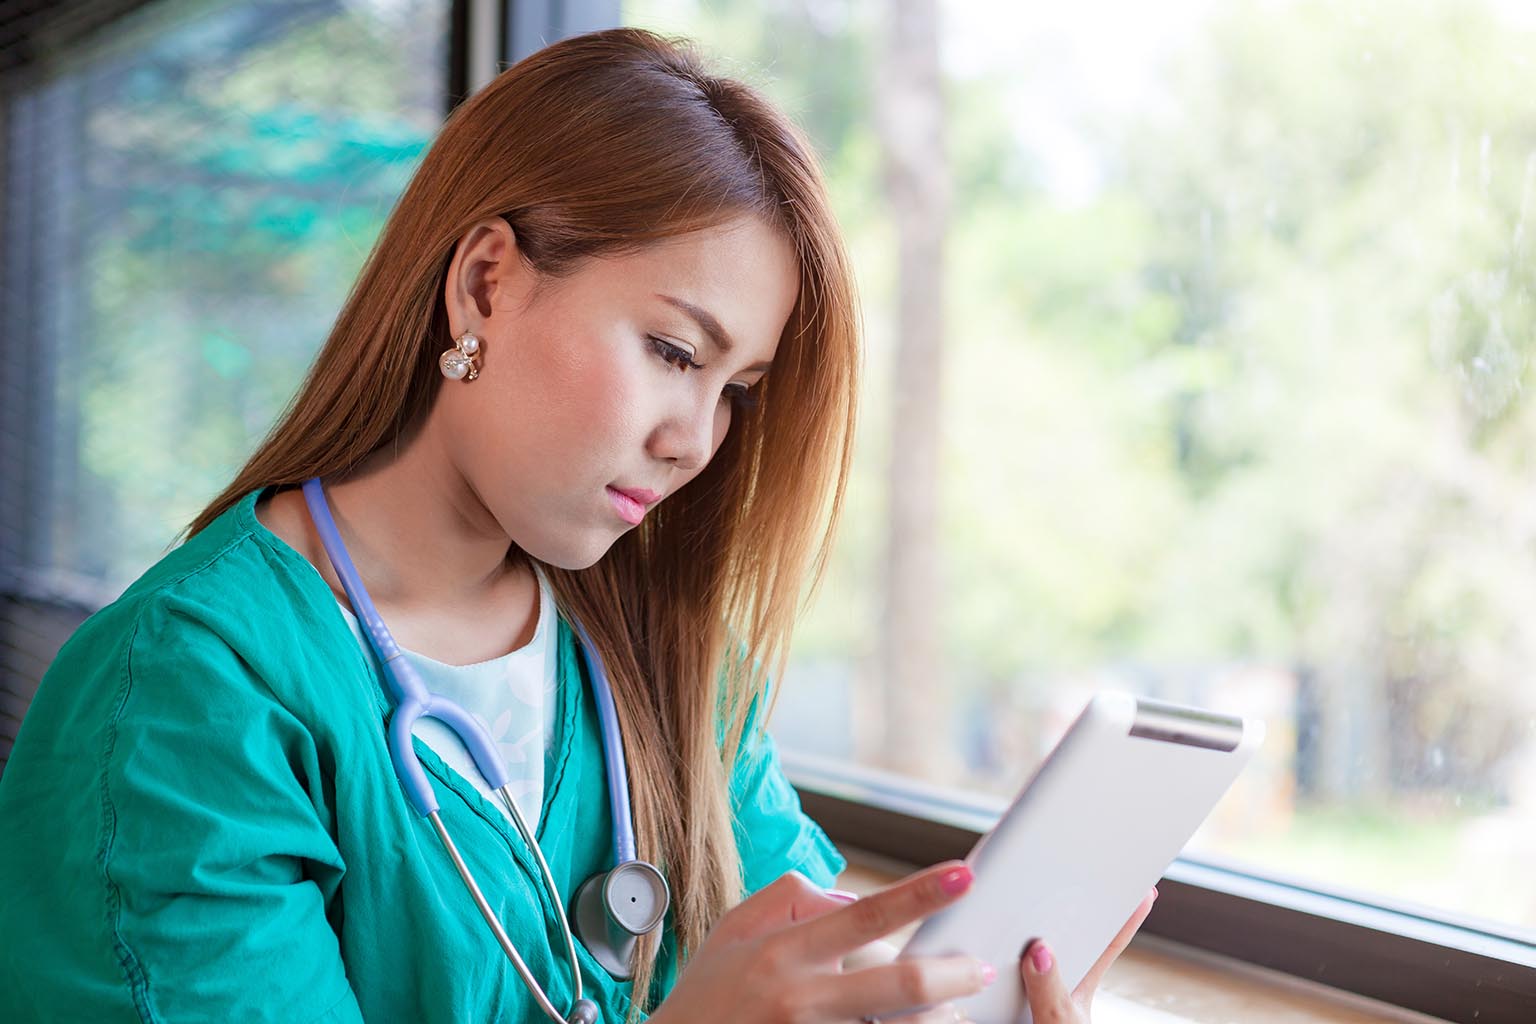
[598, 374]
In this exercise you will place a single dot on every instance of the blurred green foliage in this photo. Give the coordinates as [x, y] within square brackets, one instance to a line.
[1258, 397]
[237, 161]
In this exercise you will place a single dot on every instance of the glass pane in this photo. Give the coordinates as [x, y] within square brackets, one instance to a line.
[200, 187]
[1237, 325]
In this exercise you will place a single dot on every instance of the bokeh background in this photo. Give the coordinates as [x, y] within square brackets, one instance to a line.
[1197, 339]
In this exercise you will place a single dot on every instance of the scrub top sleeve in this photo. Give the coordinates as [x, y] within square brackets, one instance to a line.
[217, 860]
[772, 832]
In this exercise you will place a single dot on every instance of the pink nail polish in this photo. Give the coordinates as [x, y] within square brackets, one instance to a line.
[842, 895]
[956, 880]
[1041, 958]
[988, 974]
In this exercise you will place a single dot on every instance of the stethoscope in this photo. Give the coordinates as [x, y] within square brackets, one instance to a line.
[612, 909]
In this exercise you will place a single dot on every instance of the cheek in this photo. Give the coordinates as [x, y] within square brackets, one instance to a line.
[578, 401]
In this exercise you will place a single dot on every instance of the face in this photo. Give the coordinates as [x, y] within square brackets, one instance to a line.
[603, 392]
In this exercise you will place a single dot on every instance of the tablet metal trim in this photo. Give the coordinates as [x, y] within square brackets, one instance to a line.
[1171, 723]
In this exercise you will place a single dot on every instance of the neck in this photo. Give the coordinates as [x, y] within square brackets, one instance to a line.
[420, 536]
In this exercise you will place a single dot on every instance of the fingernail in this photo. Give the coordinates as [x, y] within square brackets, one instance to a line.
[1041, 958]
[956, 880]
[988, 974]
[845, 897]
[1154, 892]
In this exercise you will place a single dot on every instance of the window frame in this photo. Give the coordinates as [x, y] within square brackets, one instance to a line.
[1462, 971]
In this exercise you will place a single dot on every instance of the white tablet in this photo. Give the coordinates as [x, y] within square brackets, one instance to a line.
[1104, 815]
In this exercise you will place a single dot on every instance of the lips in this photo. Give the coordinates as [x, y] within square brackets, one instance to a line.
[639, 495]
[627, 506]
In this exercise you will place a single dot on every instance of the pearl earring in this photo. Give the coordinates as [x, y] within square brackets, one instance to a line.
[458, 363]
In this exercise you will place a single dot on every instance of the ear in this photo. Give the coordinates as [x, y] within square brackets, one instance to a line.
[487, 274]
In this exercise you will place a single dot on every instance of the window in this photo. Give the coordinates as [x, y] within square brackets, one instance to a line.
[1230, 404]
[1226, 402]
[192, 191]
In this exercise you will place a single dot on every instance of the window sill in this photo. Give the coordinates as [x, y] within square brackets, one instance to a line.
[1403, 961]
[1158, 981]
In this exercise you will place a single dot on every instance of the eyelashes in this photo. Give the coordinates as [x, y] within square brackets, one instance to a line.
[739, 396]
[675, 355]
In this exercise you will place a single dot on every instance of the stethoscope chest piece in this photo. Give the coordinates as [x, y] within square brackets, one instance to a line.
[615, 908]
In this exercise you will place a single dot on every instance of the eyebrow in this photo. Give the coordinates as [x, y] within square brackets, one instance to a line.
[710, 326]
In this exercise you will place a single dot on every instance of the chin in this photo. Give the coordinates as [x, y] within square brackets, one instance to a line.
[572, 553]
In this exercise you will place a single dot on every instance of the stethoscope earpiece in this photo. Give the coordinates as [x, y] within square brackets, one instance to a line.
[615, 908]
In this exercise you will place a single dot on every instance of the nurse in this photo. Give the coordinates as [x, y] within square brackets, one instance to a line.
[584, 414]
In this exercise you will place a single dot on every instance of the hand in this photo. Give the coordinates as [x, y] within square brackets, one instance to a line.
[1049, 995]
[777, 957]
[1049, 1002]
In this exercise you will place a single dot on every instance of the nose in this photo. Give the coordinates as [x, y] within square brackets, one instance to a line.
[687, 439]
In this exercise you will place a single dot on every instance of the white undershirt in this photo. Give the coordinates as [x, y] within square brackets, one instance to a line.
[513, 696]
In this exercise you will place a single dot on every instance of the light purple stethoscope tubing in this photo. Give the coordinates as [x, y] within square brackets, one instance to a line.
[613, 751]
[413, 700]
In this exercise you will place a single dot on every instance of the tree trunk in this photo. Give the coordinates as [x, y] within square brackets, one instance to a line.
[909, 108]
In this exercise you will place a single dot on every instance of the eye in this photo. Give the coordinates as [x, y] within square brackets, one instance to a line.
[674, 354]
[739, 395]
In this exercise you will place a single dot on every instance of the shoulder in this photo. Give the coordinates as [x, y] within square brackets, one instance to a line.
[168, 750]
[220, 643]
[234, 601]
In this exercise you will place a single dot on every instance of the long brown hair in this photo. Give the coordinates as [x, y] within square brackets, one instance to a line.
[598, 145]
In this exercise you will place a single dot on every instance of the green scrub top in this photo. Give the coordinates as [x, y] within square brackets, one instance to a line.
[201, 821]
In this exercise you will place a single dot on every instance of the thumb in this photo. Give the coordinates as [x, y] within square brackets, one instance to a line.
[1049, 1000]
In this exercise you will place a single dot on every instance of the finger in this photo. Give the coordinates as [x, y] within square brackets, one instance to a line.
[1049, 1002]
[914, 986]
[1090, 983]
[831, 936]
[871, 954]
[790, 899]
